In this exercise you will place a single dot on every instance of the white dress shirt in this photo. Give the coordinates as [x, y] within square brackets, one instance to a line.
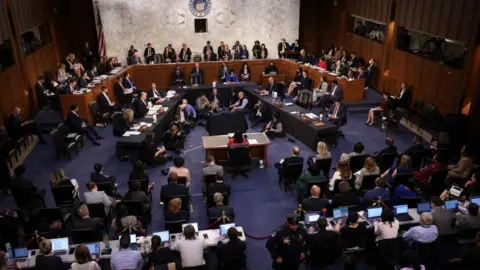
[191, 251]
[386, 230]
[108, 99]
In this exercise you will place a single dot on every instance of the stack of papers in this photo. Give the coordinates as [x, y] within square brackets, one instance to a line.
[252, 141]
[103, 77]
[311, 116]
[288, 104]
[171, 93]
[157, 107]
[145, 124]
[128, 133]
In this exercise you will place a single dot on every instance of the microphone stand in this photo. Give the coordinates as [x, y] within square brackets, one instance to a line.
[131, 228]
[379, 202]
[300, 210]
[35, 237]
[222, 218]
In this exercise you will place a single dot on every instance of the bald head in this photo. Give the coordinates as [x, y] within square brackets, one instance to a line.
[315, 191]
[296, 150]
[16, 110]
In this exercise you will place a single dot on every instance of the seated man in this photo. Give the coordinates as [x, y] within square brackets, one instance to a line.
[86, 222]
[37, 194]
[295, 158]
[219, 186]
[315, 203]
[231, 251]
[70, 88]
[93, 73]
[273, 87]
[241, 102]
[77, 125]
[155, 95]
[202, 104]
[380, 191]
[426, 232]
[177, 76]
[325, 245]
[337, 113]
[211, 168]
[93, 196]
[99, 177]
[220, 209]
[196, 76]
[329, 98]
[258, 113]
[443, 219]
[172, 189]
[141, 105]
[125, 258]
[402, 100]
[275, 127]
[124, 95]
[415, 147]
[83, 81]
[17, 129]
[106, 105]
[128, 83]
[389, 149]
[44, 94]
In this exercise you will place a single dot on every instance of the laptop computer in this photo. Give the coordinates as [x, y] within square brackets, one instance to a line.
[451, 205]
[311, 218]
[60, 246]
[94, 248]
[424, 207]
[224, 228]
[195, 226]
[339, 213]
[401, 212]
[18, 254]
[133, 241]
[475, 200]
[164, 236]
[374, 212]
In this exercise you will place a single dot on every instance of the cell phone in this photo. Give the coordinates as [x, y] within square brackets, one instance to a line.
[106, 251]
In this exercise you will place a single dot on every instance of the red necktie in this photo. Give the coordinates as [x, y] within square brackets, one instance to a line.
[335, 111]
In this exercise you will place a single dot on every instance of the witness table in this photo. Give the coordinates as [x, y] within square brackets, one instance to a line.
[217, 146]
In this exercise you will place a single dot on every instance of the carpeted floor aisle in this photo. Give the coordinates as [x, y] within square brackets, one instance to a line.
[259, 203]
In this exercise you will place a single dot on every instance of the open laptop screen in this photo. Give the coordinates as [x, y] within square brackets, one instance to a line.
[451, 204]
[164, 236]
[94, 248]
[374, 212]
[16, 253]
[59, 244]
[424, 207]
[401, 209]
[311, 218]
[224, 228]
[340, 212]
[476, 200]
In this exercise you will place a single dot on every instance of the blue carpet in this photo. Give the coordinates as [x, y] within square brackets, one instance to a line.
[259, 203]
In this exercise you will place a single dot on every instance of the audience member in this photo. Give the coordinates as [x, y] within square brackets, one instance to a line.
[423, 175]
[389, 149]
[175, 212]
[343, 172]
[263, 52]
[369, 168]
[177, 76]
[135, 194]
[17, 128]
[241, 103]
[93, 196]
[415, 147]
[138, 172]
[231, 251]
[426, 232]
[219, 186]
[464, 166]
[83, 259]
[173, 189]
[407, 190]
[196, 75]
[353, 233]
[387, 227]
[99, 177]
[214, 99]
[315, 203]
[87, 222]
[402, 100]
[357, 151]
[313, 174]
[211, 168]
[443, 219]
[274, 128]
[324, 245]
[125, 258]
[185, 53]
[245, 72]
[379, 192]
[123, 221]
[178, 168]
[190, 247]
[322, 153]
[202, 104]
[346, 197]
[295, 158]
[189, 109]
[469, 221]
[282, 48]
[150, 153]
[19, 182]
[160, 255]
[220, 209]
[271, 69]
[411, 261]
[404, 167]
[59, 180]
[174, 139]
[46, 260]
[77, 125]
[470, 257]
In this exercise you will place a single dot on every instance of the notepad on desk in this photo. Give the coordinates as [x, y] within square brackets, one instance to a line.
[288, 104]
[252, 141]
[128, 133]
[145, 124]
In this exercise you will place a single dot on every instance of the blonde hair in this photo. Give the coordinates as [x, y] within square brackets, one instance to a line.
[175, 205]
[57, 177]
[370, 164]
[45, 246]
[128, 115]
[322, 149]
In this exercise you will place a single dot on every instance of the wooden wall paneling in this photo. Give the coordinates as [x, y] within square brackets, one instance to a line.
[38, 62]
[419, 13]
[4, 26]
[399, 65]
[426, 15]
[400, 13]
[382, 6]
[435, 17]
[376, 52]
[347, 42]
[414, 71]
[410, 9]
[365, 48]
[448, 87]
[447, 6]
[30, 69]
[429, 78]
[467, 20]
[455, 19]
[356, 44]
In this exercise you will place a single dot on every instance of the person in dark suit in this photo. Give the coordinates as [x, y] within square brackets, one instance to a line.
[5, 177]
[149, 54]
[223, 72]
[330, 97]
[138, 172]
[175, 212]
[128, 82]
[44, 94]
[99, 177]
[132, 51]
[219, 186]
[295, 158]
[141, 105]
[354, 61]
[196, 76]
[172, 189]
[370, 73]
[207, 48]
[105, 104]
[83, 81]
[156, 96]
[93, 73]
[160, 255]
[337, 112]
[19, 181]
[86, 222]
[402, 100]
[70, 88]
[169, 54]
[315, 203]
[389, 149]
[360, 74]
[274, 87]
[150, 153]
[231, 254]
[256, 50]
[177, 76]
[380, 191]
[77, 125]
[415, 147]
[303, 59]
[17, 128]
[258, 113]
[295, 46]
[185, 53]
[346, 197]
[282, 48]
[135, 194]
[221, 50]
[219, 209]
[304, 83]
[270, 69]
[324, 245]
[210, 56]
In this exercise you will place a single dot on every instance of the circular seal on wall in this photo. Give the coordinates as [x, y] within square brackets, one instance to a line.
[200, 8]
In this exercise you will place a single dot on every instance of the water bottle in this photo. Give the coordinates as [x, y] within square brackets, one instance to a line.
[321, 116]
[260, 162]
[106, 241]
[383, 126]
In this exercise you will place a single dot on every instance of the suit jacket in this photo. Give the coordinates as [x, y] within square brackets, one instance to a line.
[68, 89]
[306, 83]
[172, 190]
[414, 148]
[92, 74]
[82, 83]
[354, 62]
[40, 94]
[388, 150]
[361, 75]
[172, 217]
[74, 123]
[103, 104]
[100, 178]
[325, 248]
[338, 92]
[345, 199]
[268, 70]
[341, 113]
[159, 93]
[140, 107]
[230, 253]
[275, 87]
[444, 220]
[220, 52]
[404, 99]
[152, 50]
[178, 76]
[95, 224]
[304, 59]
[280, 47]
[292, 160]
[216, 211]
[139, 196]
[20, 182]
[213, 57]
[218, 187]
[128, 83]
[205, 49]
[14, 126]
[223, 73]
[188, 52]
[200, 71]
[314, 204]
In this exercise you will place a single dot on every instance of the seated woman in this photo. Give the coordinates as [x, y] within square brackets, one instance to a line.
[123, 220]
[353, 233]
[423, 175]
[237, 139]
[274, 128]
[93, 196]
[181, 171]
[343, 172]
[173, 139]
[160, 255]
[138, 172]
[387, 227]
[377, 110]
[232, 76]
[296, 80]
[175, 212]
[59, 179]
[321, 89]
[464, 166]
[322, 153]
[313, 173]
[322, 63]
[62, 74]
[129, 120]
[369, 168]
[150, 153]
[245, 73]
[471, 187]
[405, 166]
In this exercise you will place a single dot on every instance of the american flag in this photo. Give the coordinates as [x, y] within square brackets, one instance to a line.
[102, 50]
